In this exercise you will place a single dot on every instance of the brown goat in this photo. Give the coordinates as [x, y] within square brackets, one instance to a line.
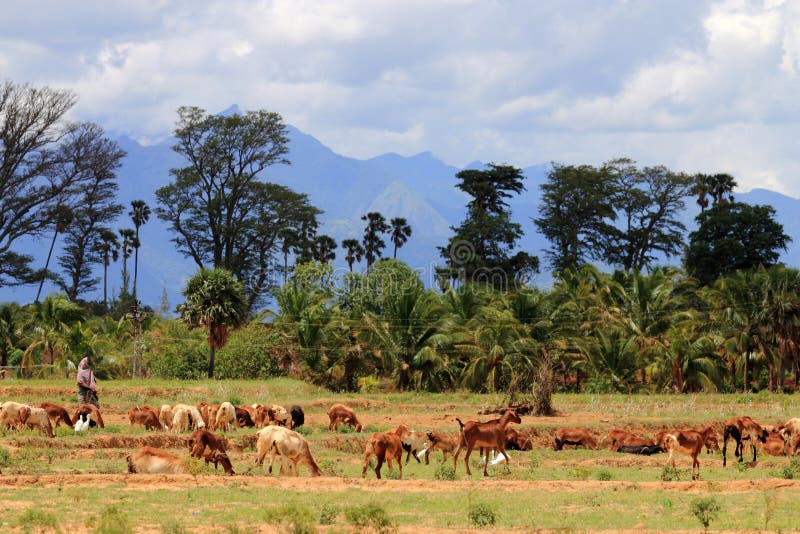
[339, 413]
[574, 436]
[217, 457]
[386, 446]
[440, 442]
[202, 438]
[89, 411]
[145, 416]
[741, 429]
[57, 414]
[689, 442]
[489, 435]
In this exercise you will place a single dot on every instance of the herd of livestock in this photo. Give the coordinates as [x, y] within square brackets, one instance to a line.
[277, 437]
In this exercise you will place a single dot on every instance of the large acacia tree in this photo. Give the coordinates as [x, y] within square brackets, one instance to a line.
[222, 214]
[32, 126]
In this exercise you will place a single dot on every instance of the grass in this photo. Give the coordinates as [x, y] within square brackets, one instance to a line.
[545, 489]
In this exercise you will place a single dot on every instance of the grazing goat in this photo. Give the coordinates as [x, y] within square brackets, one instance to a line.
[711, 444]
[574, 436]
[489, 435]
[216, 457]
[194, 417]
[145, 416]
[13, 414]
[414, 442]
[57, 414]
[258, 414]
[154, 461]
[440, 442]
[277, 415]
[202, 438]
[776, 443]
[90, 412]
[689, 442]
[225, 417]
[386, 446]
[298, 416]
[339, 413]
[791, 433]
[741, 429]
[37, 418]
[243, 418]
[289, 445]
[165, 415]
[516, 441]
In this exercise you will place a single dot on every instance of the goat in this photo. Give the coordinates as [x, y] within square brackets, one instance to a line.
[490, 435]
[414, 442]
[386, 446]
[13, 414]
[202, 438]
[37, 418]
[243, 418]
[574, 436]
[225, 417]
[339, 413]
[277, 415]
[741, 429]
[91, 412]
[689, 442]
[791, 434]
[217, 457]
[289, 445]
[441, 442]
[145, 416]
[57, 414]
[155, 461]
[298, 416]
[165, 415]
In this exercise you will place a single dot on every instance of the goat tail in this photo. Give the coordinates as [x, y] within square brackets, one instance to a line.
[460, 424]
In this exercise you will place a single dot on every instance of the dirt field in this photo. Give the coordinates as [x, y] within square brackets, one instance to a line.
[85, 480]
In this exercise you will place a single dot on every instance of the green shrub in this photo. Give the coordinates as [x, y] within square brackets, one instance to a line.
[174, 351]
[35, 519]
[705, 510]
[5, 458]
[580, 472]
[328, 514]
[482, 515]
[670, 474]
[113, 520]
[370, 515]
[535, 461]
[293, 518]
[445, 471]
[249, 353]
[604, 474]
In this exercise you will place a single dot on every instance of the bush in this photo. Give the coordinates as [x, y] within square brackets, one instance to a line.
[113, 520]
[34, 519]
[370, 515]
[5, 458]
[174, 351]
[482, 515]
[293, 518]
[445, 471]
[670, 474]
[328, 514]
[249, 353]
[705, 510]
[604, 474]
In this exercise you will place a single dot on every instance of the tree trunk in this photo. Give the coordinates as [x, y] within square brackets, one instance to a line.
[744, 373]
[105, 287]
[211, 352]
[135, 269]
[46, 265]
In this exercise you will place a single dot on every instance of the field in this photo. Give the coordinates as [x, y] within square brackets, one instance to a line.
[80, 482]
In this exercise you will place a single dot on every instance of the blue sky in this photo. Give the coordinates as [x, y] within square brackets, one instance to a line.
[697, 86]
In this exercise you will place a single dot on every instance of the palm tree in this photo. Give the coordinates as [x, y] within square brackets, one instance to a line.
[10, 331]
[354, 252]
[140, 214]
[109, 251]
[324, 247]
[129, 243]
[45, 326]
[400, 232]
[63, 216]
[216, 301]
[373, 244]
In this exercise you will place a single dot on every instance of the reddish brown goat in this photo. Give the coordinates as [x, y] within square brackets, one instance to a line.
[217, 457]
[339, 413]
[145, 416]
[202, 439]
[440, 442]
[574, 436]
[775, 444]
[741, 429]
[90, 411]
[386, 446]
[689, 442]
[57, 414]
[490, 435]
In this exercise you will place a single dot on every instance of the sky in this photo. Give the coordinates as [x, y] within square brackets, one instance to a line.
[698, 86]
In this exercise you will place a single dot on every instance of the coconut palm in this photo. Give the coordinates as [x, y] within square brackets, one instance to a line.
[108, 247]
[400, 232]
[10, 330]
[139, 214]
[44, 329]
[128, 245]
[216, 301]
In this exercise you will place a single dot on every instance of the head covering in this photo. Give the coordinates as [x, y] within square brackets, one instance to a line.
[85, 375]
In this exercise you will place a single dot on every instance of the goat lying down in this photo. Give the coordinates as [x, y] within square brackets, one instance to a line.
[647, 450]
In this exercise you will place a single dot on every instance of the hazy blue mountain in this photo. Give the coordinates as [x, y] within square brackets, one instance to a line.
[419, 188]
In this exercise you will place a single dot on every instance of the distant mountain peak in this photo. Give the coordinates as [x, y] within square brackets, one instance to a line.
[230, 111]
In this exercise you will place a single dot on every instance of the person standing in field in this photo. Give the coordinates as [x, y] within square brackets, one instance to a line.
[87, 385]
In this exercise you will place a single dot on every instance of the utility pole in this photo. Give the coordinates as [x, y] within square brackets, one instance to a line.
[137, 317]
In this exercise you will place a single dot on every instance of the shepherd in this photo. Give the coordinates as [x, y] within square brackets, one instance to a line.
[87, 385]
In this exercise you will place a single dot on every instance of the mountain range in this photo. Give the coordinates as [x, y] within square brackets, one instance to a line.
[420, 188]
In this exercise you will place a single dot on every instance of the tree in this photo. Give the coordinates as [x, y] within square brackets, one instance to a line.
[481, 247]
[732, 236]
[373, 244]
[10, 331]
[719, 186]
[139, 214]
[86, 151]
[63, 218]
[324, 247]
[576, 205]
[221, 213]
[127, 247]
[400, 232]
[354, 252]
[215, 300]
[108, 248]
[648, 203]
[31, 126]
[45, 327]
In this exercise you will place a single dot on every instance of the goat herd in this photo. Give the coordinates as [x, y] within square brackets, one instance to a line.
[277, 437]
